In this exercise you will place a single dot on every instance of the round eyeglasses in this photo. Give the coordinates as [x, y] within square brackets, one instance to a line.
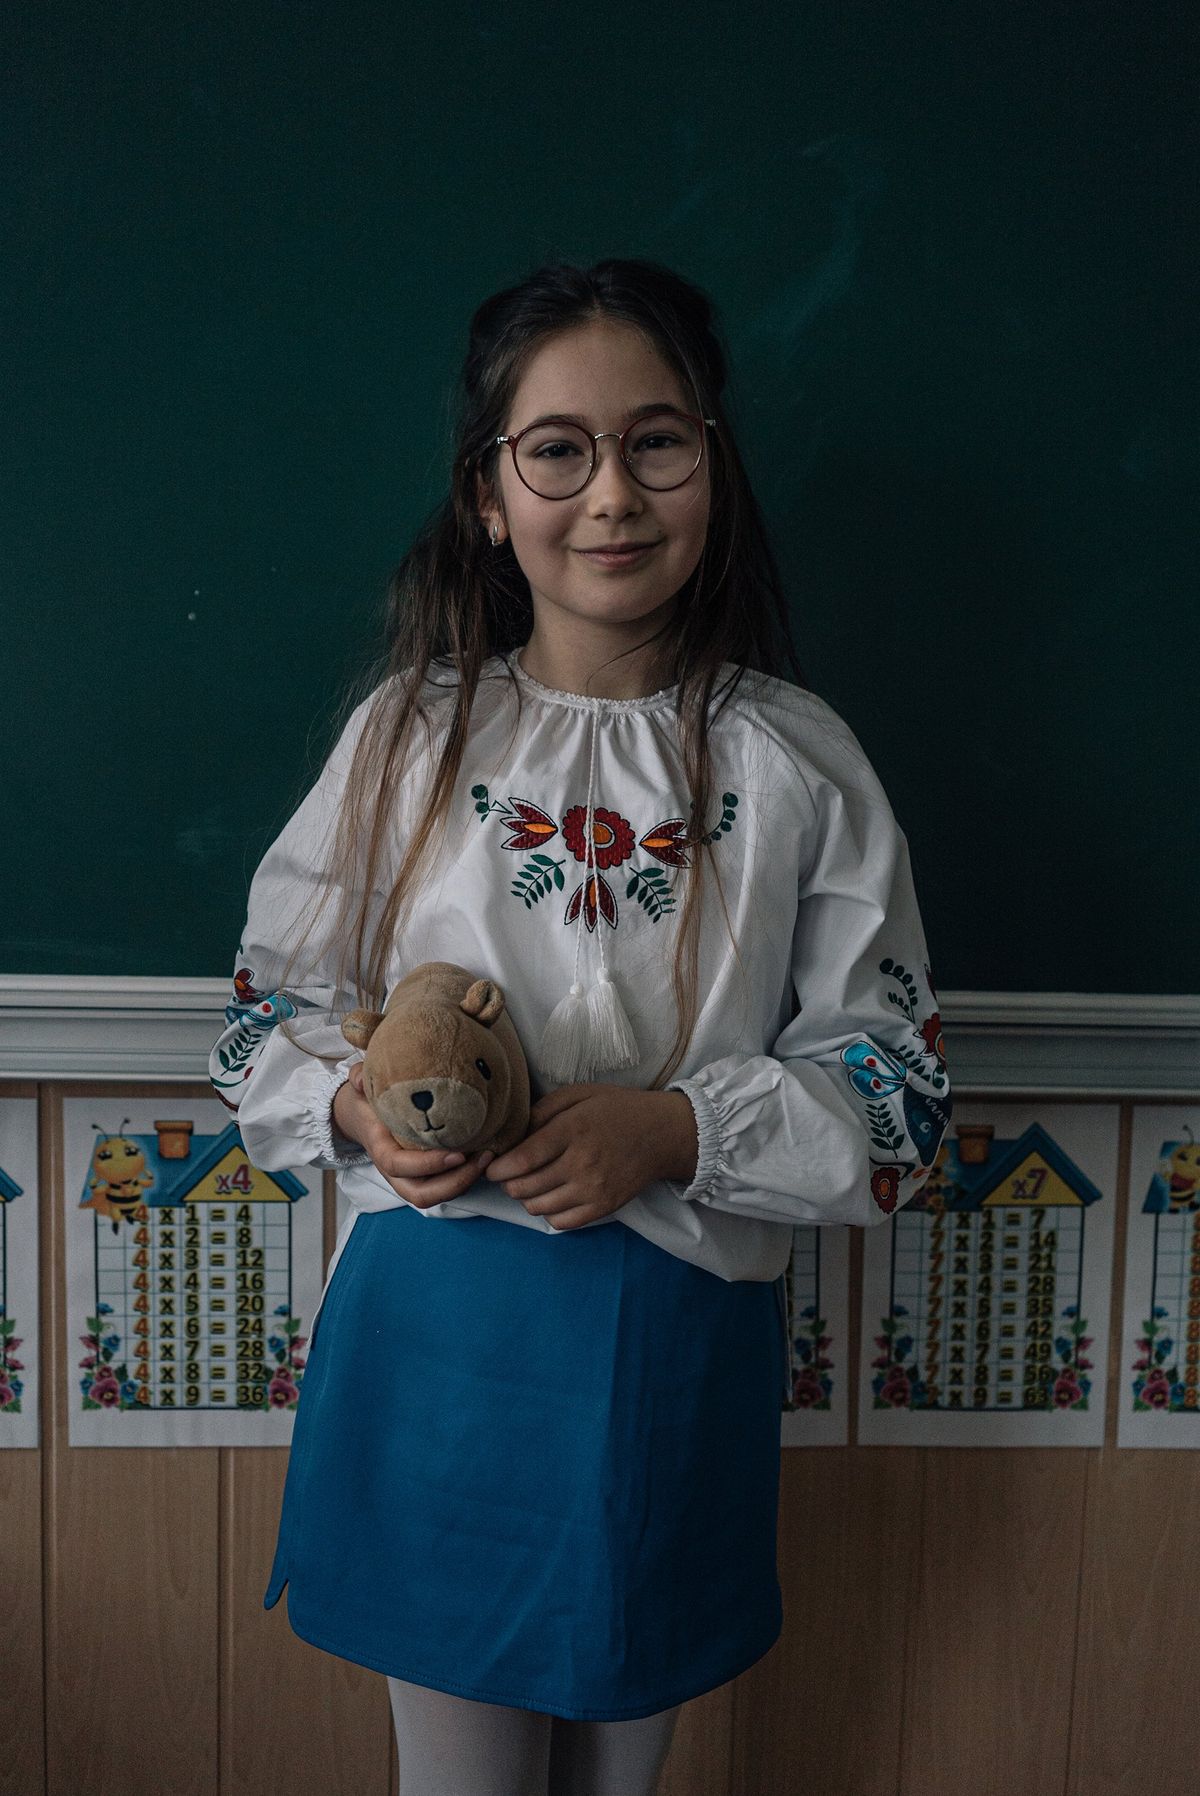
[555, 458]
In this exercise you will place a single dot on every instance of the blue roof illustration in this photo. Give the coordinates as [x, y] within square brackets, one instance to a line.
[970, 1184]
[173, 1179]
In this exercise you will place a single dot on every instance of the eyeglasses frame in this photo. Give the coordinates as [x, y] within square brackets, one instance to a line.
[555, 498]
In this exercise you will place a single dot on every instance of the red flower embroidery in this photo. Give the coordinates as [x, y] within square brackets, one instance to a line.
[598, 892]
[666, 843]
[530, 825]
[885, 1187]
[612, 837]
[243, 985]
[931, 1035]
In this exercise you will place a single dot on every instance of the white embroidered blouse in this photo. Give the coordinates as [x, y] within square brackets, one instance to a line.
[816, 1068]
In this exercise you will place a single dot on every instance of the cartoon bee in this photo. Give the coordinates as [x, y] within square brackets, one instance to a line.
[1180, 1173]
[119, 1177]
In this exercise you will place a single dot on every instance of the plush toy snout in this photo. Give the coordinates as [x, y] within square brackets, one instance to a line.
[443, 1066]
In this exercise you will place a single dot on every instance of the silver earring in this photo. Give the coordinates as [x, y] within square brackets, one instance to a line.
[493, 536]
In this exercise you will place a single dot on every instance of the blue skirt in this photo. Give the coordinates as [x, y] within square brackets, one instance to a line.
[537, 1470]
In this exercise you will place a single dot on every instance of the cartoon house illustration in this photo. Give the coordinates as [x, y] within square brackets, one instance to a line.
[1167, 1368]
[193, 1274]
[11, 1384]
[987, 1269]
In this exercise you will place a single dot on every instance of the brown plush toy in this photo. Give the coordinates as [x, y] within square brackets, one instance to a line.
[444, 1065]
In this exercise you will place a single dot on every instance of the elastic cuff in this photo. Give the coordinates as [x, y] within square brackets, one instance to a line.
[708, 1131]
[336, 1148]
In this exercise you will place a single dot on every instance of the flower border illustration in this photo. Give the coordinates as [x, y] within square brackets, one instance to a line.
[811, 1381]
[898, 1383]
[10, 1387]
[106, 1386]
[1158, 1386]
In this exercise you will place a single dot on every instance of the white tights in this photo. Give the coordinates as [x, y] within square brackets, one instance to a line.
[455, 1746]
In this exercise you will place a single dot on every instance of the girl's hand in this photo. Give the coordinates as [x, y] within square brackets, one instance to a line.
[592, 1147]
[417, 1174]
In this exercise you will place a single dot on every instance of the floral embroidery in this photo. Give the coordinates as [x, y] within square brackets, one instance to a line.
[885, 1186]
[612, 836]
[243, 986]
[876, 1074]
[255, 1015]
[613, 843]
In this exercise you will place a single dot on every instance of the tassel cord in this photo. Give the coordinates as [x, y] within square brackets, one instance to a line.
[588, 1033]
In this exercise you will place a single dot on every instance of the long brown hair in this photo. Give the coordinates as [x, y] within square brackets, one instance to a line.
[454, 601]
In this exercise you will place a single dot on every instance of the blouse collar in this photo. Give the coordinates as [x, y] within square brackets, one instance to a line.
[577, 701]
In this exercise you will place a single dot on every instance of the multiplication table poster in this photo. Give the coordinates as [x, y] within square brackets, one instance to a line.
[985, 1300]
[18, 1273]
[1159, 1402]
[192, 1277]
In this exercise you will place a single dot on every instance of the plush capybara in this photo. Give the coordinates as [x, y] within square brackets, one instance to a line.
[444, 1066]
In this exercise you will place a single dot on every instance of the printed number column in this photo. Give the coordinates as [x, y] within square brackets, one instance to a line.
[195, 1318]
[250, 1236]
[166, 1249]
[982, 1291]
[1041, 1278]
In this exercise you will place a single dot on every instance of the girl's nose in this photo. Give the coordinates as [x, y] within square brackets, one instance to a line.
[610, 475]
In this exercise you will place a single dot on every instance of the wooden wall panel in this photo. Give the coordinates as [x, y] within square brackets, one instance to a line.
[22, 1692]
[1135, 1727]
[821, 1714]
[991, 1652]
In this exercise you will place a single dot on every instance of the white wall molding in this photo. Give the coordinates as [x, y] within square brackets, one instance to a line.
[101, 1028]
[997, 1043]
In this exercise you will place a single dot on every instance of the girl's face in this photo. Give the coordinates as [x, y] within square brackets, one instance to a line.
[600, 373]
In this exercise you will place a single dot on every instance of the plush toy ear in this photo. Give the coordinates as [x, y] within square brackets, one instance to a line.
[360, 1026]
[484, 1001]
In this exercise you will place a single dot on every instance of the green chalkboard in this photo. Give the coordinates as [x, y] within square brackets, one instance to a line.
[948, 246]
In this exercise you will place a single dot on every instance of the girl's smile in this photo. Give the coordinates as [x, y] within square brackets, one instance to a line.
[618, 558]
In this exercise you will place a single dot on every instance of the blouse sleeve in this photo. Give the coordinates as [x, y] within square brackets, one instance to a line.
[282, 1095]
[841, 1121]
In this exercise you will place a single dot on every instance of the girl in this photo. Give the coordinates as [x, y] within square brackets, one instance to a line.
[534, 1474]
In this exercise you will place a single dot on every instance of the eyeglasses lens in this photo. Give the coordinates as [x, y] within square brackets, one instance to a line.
[556, 459]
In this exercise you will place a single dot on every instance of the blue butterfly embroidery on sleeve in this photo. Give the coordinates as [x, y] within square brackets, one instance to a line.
[873, 1071]
[876, 1074]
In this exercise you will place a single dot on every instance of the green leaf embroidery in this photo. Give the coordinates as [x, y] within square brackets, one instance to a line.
[653, 891]
[884, 1132]
[536, 879]
[729, 803]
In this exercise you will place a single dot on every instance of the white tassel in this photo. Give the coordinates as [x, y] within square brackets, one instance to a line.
[588, 1033]
[612, 1033]
[564, 1049]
